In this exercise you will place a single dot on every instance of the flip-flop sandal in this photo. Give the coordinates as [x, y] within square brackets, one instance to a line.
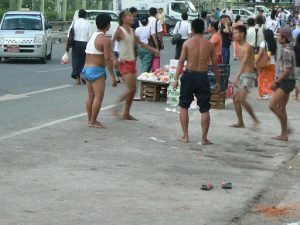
[227, 185]
[207, 187]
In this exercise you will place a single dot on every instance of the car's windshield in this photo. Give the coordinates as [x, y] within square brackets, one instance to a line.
[22, 22]
[93, 15]
[192, 7]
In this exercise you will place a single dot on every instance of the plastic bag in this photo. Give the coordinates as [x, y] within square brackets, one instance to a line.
[156, 63]
[65, 58]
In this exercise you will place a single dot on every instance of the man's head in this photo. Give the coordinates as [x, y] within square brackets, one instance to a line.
[259, 20]
[144, 21]
[251, 22]
[184, 16]
[296, 15]
[82, 14]
[229, 7]
[161, 10]
[103, 22]
[240, 33]
[198, 26]
[204, 15]
[261, 12]
[223, 19]
[153, 11]
[285, 35]
[213, 27]
[133, 11]
[126, 17]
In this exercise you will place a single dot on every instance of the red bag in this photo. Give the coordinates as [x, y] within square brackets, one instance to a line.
[156, 63]
[230, 90]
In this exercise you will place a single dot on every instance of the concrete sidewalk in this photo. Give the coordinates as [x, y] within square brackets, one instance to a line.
[136, 173]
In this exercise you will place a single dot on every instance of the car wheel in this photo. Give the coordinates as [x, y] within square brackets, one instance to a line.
[171, 31]
[49, 57]
[0, 60]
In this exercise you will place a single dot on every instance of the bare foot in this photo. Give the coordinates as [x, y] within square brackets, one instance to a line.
[238, 125]
[97, 125]
[129, 117]
[183, 139]
[255, 126]
[206, 142]
[281, 138]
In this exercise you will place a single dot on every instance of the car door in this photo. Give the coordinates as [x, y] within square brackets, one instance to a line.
[244, 15]
[48, 35]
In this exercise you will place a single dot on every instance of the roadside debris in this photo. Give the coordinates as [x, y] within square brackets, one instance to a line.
[294, 223]
[157, 140]
[273, 211]
[207, 187]
[172, 110]
[290, 168]
[85, 141]
[226, 185]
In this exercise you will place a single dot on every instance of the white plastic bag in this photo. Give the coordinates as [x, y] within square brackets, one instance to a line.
[65, 58]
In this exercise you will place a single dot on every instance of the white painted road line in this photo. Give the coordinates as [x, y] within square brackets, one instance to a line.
[54, 70]
[29, 130]
[25, 95]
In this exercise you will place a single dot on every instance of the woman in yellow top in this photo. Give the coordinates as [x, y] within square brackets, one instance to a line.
[162, 18]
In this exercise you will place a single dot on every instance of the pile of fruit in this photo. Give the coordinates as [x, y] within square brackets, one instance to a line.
[160, 75]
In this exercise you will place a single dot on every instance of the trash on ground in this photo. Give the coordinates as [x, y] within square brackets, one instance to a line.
[85, 141]
[273, 211]
[290, 168]
[157, 140]
[294, 223]
[226, 185]
[172, 110]
[207, 187]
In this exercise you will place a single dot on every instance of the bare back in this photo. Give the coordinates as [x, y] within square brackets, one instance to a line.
[198, 52]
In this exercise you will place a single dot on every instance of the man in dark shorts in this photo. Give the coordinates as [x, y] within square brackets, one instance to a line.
[197, 51]
[285, 82]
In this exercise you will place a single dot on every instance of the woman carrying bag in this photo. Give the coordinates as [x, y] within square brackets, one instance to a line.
[184, 30]
[266, 65]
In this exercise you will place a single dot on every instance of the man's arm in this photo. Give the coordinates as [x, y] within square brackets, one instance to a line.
[148, 47]
[108, 57]
[215, 64]
[183, 58]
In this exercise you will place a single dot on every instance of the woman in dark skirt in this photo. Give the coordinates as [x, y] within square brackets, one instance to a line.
[82, 33]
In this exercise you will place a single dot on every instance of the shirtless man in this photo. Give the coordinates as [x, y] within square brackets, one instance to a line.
[98, 56]
[245, 77]
[127, 60]
[197, 51]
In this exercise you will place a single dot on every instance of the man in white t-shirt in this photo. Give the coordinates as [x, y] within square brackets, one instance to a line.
[272, 24]
[229, 12]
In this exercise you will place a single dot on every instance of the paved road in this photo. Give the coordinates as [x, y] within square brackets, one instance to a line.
[55, 170]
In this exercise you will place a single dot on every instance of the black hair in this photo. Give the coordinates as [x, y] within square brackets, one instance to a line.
[103, 21]
[184, 16]
[223, 16]
[269, 37]
[198, 26]
[237, 18]
[204, 14]
[122, 15]
[273, 16]
[259, 21]
[133, 10]
[153, 11]
[241, 29]
[215, 25]
[251, 22]
[144, 21]
[161, 9]
[82, 13]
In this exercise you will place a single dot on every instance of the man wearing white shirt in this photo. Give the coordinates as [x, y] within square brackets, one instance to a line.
[229, 12]
[183, 28]
[272, 24]
[82, 33]
[156, 31]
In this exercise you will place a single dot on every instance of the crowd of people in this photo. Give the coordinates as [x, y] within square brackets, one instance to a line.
[254, 44]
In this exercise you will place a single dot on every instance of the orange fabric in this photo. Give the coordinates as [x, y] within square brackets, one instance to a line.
[217, 40]
[127, 67]
[266, 76]
[235, 49]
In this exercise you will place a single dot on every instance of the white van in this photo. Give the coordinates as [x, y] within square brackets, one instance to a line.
[92, 14]
[244, 13]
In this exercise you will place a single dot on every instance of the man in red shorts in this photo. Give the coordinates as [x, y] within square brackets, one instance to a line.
[127, 60]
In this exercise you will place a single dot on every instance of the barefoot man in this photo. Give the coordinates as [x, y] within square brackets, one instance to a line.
[285, 82]
[98, 55]
[197, 51]
[245, 77]
[127, 60]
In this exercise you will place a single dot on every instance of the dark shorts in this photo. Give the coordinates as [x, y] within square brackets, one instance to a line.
[197, 84]
[287, 85]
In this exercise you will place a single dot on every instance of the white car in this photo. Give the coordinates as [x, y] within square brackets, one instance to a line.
[92, 14]
[25, 35]
[244, 13]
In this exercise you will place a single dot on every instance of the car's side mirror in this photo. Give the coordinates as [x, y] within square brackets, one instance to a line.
[49, 26]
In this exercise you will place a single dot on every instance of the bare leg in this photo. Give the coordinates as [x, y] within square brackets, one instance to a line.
[243, 99]
[239, 111]
[278, 107]
[205, 122]
[297, 91]
[90, 100]
[99, 88]
[130, 80]
[184, 120]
